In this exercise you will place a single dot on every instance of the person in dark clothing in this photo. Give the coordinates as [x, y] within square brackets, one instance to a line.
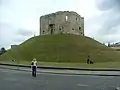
[91, 62]
[88, 61]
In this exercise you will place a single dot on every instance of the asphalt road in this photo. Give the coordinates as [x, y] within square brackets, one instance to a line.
[21, 80]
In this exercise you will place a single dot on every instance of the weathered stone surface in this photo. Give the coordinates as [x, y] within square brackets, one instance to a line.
[67, 22]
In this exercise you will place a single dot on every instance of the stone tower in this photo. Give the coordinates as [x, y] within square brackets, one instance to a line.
[63, 22]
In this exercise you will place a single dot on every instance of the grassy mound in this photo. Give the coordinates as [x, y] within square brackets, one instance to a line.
[62, 48]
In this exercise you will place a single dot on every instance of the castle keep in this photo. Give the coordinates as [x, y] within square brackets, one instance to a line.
[64, 22]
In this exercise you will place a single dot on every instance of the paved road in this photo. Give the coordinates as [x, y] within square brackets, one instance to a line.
[21, 80]
[59, 71]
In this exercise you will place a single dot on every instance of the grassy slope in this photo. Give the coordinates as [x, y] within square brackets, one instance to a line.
[62, 48]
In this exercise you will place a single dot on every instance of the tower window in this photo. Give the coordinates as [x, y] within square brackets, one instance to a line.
[76, 18]
[61, 27]
[72, 28]
[79, 28]
[43, 32]
[66, 18]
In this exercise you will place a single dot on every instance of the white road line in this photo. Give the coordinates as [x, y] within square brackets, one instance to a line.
[117, 88]
[57, 74]
[82, 85]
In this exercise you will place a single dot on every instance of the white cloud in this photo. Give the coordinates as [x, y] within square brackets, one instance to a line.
[25, 14]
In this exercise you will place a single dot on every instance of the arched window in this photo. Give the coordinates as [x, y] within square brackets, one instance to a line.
[43, 32]
[79, 28]
[66, 18]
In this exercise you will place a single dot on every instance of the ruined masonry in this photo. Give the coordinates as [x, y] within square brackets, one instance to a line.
[62, 22]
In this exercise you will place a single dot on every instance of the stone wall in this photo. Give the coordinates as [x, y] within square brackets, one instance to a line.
[13, 46]
[62, 22]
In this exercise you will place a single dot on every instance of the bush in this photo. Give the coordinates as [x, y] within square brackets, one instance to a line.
[2, 50]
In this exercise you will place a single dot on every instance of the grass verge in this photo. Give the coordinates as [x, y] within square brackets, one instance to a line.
[78, 65]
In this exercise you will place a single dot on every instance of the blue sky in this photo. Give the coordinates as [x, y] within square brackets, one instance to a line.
[19, 19]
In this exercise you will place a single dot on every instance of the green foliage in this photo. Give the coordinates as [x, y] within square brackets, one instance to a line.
[2, 50]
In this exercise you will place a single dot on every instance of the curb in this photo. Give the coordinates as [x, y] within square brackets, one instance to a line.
[63, 68]
[60, 73]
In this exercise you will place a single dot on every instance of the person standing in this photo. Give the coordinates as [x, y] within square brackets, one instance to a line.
[34, 67]
[88, 60]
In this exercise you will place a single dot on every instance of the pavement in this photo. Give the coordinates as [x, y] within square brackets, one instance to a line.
[68, 72]
[61, 68]
[13, 79]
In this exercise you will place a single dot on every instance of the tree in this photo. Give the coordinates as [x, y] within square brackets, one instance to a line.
[2, 50]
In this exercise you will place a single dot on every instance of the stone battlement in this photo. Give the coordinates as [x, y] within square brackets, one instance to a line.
[61, 12]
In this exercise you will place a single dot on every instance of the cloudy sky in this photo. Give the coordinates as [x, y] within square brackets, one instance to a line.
[19, 19]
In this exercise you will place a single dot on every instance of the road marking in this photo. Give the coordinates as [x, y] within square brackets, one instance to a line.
[10, 79]
[117, 88]
[82, 85]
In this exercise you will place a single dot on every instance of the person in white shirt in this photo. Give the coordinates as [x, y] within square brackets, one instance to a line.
[34, 67]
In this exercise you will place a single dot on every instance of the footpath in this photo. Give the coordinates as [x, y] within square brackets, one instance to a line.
[67, 71]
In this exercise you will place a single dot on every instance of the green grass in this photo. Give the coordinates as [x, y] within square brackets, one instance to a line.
[63, 49]
[77, 65]
[115, 47]
[83, 65]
